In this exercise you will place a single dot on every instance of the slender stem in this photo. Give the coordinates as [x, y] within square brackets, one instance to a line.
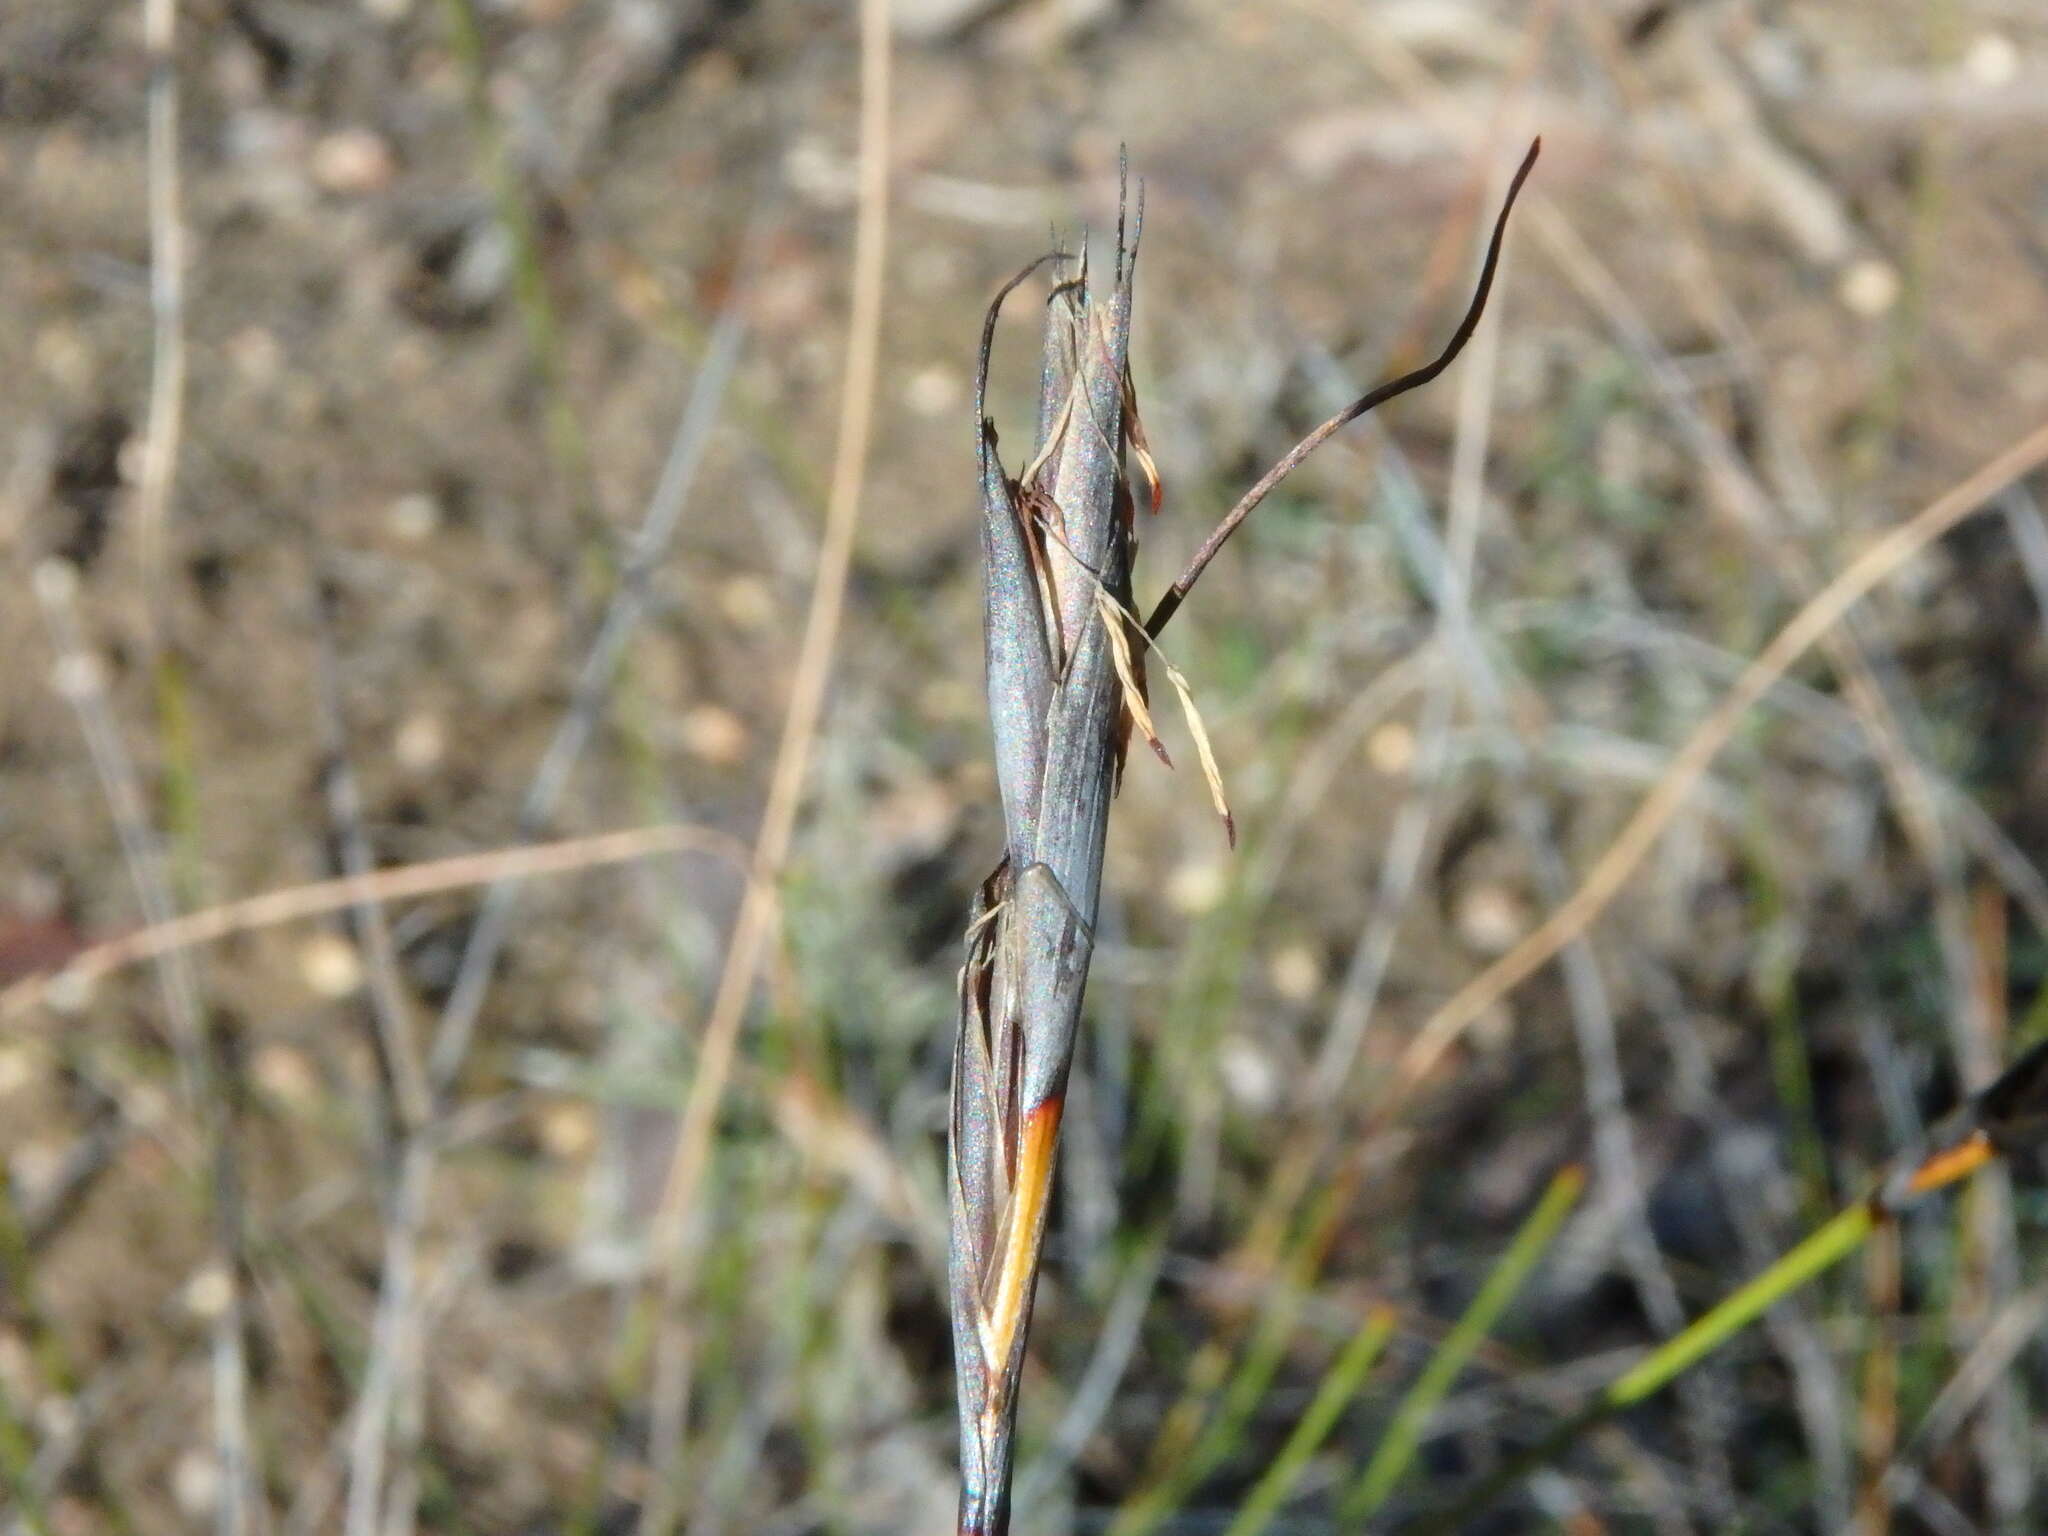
[1337, 1390]
[536, 306]
[1397, 1447]
[1825, 1247]
[1806, 628]
[164, 430]
[403, 882]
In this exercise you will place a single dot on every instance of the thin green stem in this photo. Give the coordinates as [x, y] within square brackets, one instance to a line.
[1830, 1243]
[566, 442]
[1821, 1250]
[1397, 1447]
[1338, 1388]
[1187, 1457]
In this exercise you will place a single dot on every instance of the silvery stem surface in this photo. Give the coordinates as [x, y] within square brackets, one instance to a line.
[1055, 539]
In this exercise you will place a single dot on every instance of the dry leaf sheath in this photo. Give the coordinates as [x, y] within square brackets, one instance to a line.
[1066, 683]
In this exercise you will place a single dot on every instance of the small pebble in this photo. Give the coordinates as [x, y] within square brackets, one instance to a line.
[568, 1129]
[145, 1106]
[57, 1417]
[285, 1074]
[1249, 1075]
[420, 743]
[330, 966]
[1391, 748]
[414, 516]
[208, 1294]
[1197, 886]
[32, 1168]
[1870, 287]
[483, 1406]
[62, 353]
[352, 161]
[714, 734]
[37, 894]
[195, 1483]
[19, 1069]
[55, 581]
[1991, 60]
[1296, 972]
[1490, 918]
[748, 602]
[933, 392]
[69, 993]
[77, 676]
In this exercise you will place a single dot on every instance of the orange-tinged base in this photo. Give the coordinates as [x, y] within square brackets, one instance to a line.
[1950, 1164]
[1036, 1143]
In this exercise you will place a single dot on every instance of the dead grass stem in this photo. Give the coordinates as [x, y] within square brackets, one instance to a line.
[81, 679]
[164, 429]
[1821, 613]
[321, 898]
[754, 924]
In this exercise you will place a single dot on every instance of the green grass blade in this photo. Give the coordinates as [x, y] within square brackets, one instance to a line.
[1338, 1388]
[1397, 1448]
[1151, 1507]
[1827, 1245]
[1193, 1452]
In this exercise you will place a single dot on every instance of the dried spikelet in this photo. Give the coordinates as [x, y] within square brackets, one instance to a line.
[1134, 427]
[1056, 543]
[1211, 774]
[1114, 620]
[1065, 687]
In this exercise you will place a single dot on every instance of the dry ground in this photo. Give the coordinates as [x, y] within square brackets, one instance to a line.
[1783, 278]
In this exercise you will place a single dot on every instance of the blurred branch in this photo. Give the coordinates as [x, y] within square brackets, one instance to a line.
[81, 679]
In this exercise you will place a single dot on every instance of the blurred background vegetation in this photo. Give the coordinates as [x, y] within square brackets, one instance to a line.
[480, 296]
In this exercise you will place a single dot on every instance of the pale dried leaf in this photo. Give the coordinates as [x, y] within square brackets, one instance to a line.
[1134, 434]
[1113, 619]
[1210, 772]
